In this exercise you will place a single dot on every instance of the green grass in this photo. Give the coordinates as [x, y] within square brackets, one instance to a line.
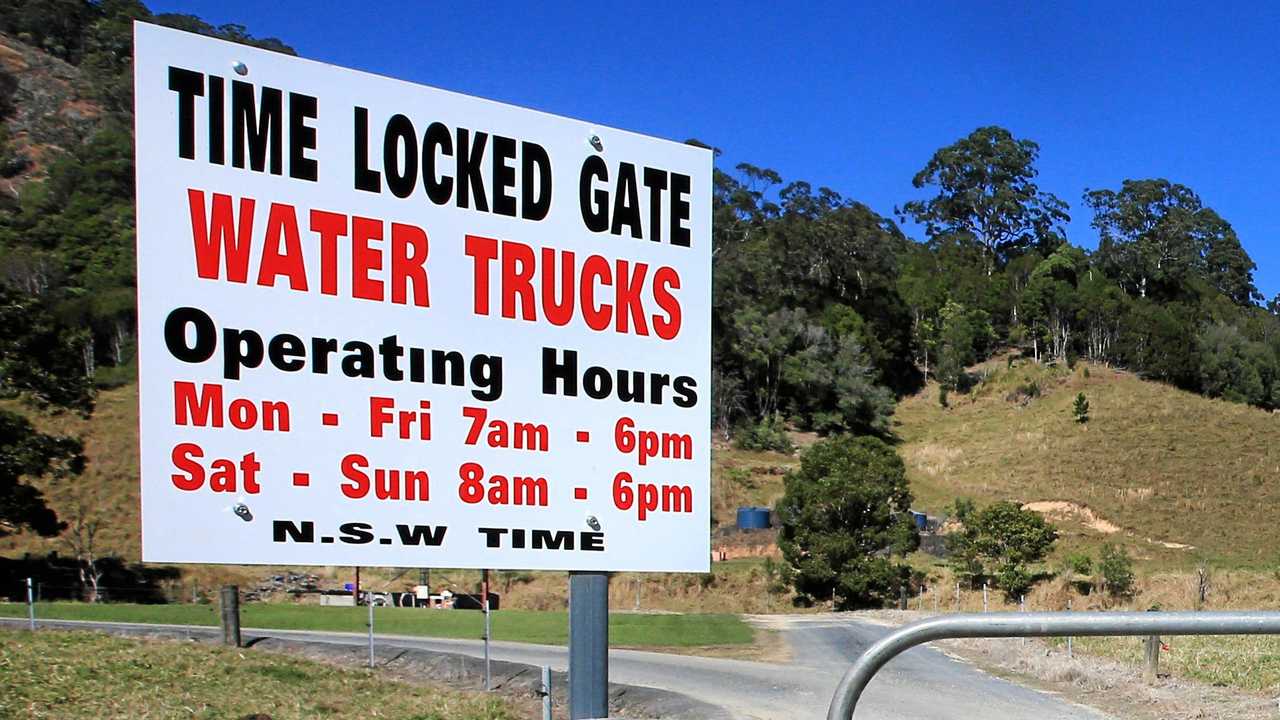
[531, 626]
[52, 674]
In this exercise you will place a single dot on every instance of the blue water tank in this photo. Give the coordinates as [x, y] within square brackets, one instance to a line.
[921, 519]
[753, 518]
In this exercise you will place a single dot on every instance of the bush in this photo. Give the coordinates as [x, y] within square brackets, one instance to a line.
[1079, 572]
[843, 519]
[1002, 541]
[1080, 409]
[1080, 564]
[1116, 567]
[768, 434]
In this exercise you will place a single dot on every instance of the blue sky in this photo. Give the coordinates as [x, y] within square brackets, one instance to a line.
[856, 97]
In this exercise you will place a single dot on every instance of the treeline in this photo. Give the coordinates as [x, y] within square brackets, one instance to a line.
[824, 310]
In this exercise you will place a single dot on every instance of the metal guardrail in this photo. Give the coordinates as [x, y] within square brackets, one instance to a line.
[1017, 624]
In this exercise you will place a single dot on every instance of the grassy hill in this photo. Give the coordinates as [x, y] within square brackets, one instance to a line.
[1177, 477]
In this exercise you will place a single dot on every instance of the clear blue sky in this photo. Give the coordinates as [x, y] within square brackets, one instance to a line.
[857, 99]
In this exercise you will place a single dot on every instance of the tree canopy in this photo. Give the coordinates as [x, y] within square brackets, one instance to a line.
[844, 517]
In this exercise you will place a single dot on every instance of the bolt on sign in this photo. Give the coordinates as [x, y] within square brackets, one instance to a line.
[385, 324]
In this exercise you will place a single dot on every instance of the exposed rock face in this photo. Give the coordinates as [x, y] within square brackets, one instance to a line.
[51, 109]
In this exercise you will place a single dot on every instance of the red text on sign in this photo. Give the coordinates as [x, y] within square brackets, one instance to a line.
[478, 487]
[647, 444]
[385, 484]
[648, 498]
[499, 433]
[224, 475]
[385, 263]
[621, 295]
[408, 424]
[202, 406]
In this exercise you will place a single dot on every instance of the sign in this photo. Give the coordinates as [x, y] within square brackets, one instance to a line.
[383, 324]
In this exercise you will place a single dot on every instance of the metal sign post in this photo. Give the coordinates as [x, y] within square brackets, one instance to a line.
[588, 645]
[488, 675]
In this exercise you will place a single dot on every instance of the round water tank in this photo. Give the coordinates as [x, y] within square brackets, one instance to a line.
[753, 518]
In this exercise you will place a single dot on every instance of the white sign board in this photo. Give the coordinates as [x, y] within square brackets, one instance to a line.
[383, 324]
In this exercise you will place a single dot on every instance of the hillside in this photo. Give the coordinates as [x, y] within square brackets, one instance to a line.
[1175, 476]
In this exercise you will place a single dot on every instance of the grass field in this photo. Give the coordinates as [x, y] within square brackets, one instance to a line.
[531, 626]
[1155, 468]
[89, 675]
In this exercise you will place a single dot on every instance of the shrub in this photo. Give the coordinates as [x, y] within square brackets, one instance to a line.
[1079, 572]
[768, 434]
[1080, 409]
[1116, 567]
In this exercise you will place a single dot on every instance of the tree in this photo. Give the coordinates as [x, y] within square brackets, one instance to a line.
[844, 517]
[1050, 301]
[1156, 237]
[1116, 567]
[1002, 541]
[986, 194]
[1233, 367]
[1080, 409]
[38, 363]
[81, 538]
[962, 553]
[965, 336]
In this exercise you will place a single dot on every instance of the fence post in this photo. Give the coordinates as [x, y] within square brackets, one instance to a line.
[231, 615]
[984, 596]
[957, 597]
[1152, 670]
[1022, 607]
[546, 692]
[902, 597]
[368, 600]
[31, 606]
[1069, 637]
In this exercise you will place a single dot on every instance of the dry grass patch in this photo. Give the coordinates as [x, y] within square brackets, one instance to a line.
[1156, 462]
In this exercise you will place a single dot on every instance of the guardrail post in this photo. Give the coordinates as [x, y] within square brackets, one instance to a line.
[1069, 638]
[902, 597]
[1151, 671]
[31, 606]
[546, 692]
[231, 615]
